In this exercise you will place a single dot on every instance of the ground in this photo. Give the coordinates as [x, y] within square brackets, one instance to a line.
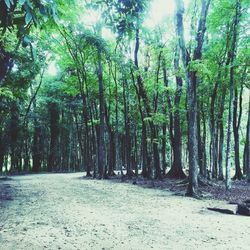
[64, 211]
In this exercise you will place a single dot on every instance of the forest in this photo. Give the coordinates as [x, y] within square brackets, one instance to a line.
[95, 86]
[135, 91]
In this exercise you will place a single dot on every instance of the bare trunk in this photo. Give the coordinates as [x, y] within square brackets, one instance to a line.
[54, 137]
[247, 146]
[232, 56]
[236, 124]
[101, 153]
[127, 147]
[176, 170]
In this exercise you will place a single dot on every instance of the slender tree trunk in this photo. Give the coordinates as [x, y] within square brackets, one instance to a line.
[213, 146]
[163, 149]
[145, 166]
[220, 126]
[247, 146]
[199, 139]
[54, 137]
[36, 152]
[112, 152]
[169, 105]
[232, 56]
[236, 124]
[127, 148]
[14, 134]
[204, 146]
[101, 153]
[94, 143]
[115, 133]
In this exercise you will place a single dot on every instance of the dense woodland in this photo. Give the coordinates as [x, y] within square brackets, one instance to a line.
[166, 101]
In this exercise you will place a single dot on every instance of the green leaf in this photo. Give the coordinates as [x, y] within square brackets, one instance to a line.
[6, 92]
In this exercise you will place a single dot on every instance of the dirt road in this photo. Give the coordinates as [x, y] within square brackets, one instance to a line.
[62, 211]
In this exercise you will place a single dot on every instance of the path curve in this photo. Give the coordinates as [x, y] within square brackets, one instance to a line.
[62, 211]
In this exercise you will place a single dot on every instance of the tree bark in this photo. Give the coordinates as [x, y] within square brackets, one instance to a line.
[101, 152]
[232, 56]
[14, 135]
[236, 124]
[127, 129]
[176, 170]
[247, 146]
[54, 137]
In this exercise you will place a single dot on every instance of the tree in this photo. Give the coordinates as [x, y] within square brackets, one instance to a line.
[18, 17]
[232, 55]
[191, 79]
[247, 146]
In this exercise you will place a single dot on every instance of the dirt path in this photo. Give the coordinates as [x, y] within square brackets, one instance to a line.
[61, 211]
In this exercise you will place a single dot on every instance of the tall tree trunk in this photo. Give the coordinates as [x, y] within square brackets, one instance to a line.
[236, 124]
[112, 150]
[115, 132]
[144, 97]
[247, 146]
[127, 129]
[101, 152]
[232, 56]
[204, 146]
[220, 126]
[94, 157]
[191, 79]
[53, 160]
[14, 134]
[213, 145]
[199, 139]
[176, 170]
[146, 167]
[85, 120]
[36, 149]
[163, 149]
[36, 152]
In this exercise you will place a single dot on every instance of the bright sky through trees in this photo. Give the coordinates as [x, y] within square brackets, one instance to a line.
[52, 69]
[158, 11]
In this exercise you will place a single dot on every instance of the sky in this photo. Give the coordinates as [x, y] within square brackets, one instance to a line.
[159, 10]
[52, 69]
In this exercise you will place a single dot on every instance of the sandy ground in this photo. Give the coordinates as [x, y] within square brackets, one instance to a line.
[62, 211]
